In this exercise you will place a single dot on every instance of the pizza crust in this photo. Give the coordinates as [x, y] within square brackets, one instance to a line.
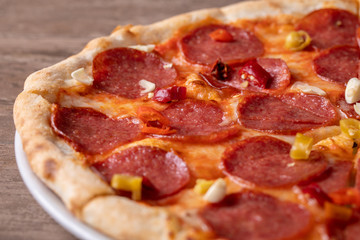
[58, 165]
[163, 30]
[128, 219]
[50, 158]
[298, 8]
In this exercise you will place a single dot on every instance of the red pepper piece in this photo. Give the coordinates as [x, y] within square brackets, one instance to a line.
[255, 74]
[165, 95]
[162, 95]
[178, 93]
[221, 35]
[153, 121]
[315, 191]
[346, 196]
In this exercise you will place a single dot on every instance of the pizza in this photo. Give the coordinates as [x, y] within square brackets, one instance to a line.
[234, 123]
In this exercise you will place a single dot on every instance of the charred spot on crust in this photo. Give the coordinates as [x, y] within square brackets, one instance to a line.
[50, 167]
[39, 147]
[36, 149]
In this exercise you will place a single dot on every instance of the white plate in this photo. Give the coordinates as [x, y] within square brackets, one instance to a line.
[49, 201]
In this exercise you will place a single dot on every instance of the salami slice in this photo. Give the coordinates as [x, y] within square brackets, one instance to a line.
[337, 64]
[287, 113]
[278, 70]
[357, 177]
[330, 27]
[256, 216]
[199, 47]
[118, 71]
[164, 173]
[352, 231]
[92, 132]
[336, 177]
[197, 120]
[276, 67]
[265, 161]
[346, 108]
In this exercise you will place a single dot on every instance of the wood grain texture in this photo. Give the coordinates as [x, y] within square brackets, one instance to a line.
[39, 33]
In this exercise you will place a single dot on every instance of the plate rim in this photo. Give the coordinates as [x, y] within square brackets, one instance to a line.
[49, 201]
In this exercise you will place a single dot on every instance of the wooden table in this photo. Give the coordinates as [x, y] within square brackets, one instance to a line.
[36, 34]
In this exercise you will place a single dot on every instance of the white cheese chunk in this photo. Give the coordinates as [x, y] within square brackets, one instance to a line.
[306, 88]
[244, 84]
[216, 192]
[168, 65]
[81, 76]
[144, 48]
[147, 86]
[71, 83]
[225, 121]
[352, 91]
[357, 108]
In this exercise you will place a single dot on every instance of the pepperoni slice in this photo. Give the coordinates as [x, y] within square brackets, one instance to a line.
[118, 71]
[337, 64]
[346, 108]
[286, 114]
[336, 177]
[93, 132]
[199, 47]
[265, 161]
[352, 231]
[164, 173]
[277, 68]
[197, 120]
[330, 27]
[256, 216]
[357, 177]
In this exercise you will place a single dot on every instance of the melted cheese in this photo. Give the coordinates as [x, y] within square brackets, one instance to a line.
[144, 48]
[204, 160]
[306, 88]
[197, 88]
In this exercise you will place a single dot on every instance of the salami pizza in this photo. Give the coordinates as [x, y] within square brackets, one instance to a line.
[232, 123]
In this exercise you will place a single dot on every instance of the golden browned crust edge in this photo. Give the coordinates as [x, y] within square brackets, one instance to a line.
[128, 219]
[52, 159]
[163, 30]
[56, 163]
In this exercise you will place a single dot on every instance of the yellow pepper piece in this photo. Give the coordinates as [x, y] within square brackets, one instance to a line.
[350, 127]
[244, 84]
[297, 40]
[202, 186]
[337, 212]
[302, 147]
[127, 183]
